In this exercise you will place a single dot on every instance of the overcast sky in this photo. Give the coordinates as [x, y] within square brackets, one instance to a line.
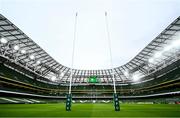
[50, 23]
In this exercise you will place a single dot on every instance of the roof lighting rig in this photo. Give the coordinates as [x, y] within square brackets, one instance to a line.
[17, 47]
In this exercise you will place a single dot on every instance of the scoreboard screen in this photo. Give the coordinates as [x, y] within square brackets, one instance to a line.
[93, 79]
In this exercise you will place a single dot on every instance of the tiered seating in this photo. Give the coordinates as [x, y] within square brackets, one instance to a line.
[14, 81]
[24, 100]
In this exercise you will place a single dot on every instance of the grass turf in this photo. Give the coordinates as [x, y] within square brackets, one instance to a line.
[89, 110]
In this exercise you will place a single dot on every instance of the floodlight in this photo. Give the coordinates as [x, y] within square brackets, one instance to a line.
[176, 43]
[16, 47]
[23, 51]
[126, 73]
[38, 62]
[32, 57]
[135, 77]
[62, 74]
[3, 40]
[167, 48]
[158, 54]
[151, 60]
[53, 78]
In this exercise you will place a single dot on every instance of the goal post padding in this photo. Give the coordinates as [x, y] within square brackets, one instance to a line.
[116, 102]
[68, 102]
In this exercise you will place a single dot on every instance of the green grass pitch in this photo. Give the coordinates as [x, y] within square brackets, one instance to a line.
[89, 110]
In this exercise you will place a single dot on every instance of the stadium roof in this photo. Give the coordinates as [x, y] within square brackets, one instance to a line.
[19, 48]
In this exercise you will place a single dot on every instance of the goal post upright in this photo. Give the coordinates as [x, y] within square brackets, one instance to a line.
[69, 95]
[115, 95]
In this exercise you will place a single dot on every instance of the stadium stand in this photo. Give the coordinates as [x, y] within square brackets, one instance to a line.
[22, 80]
